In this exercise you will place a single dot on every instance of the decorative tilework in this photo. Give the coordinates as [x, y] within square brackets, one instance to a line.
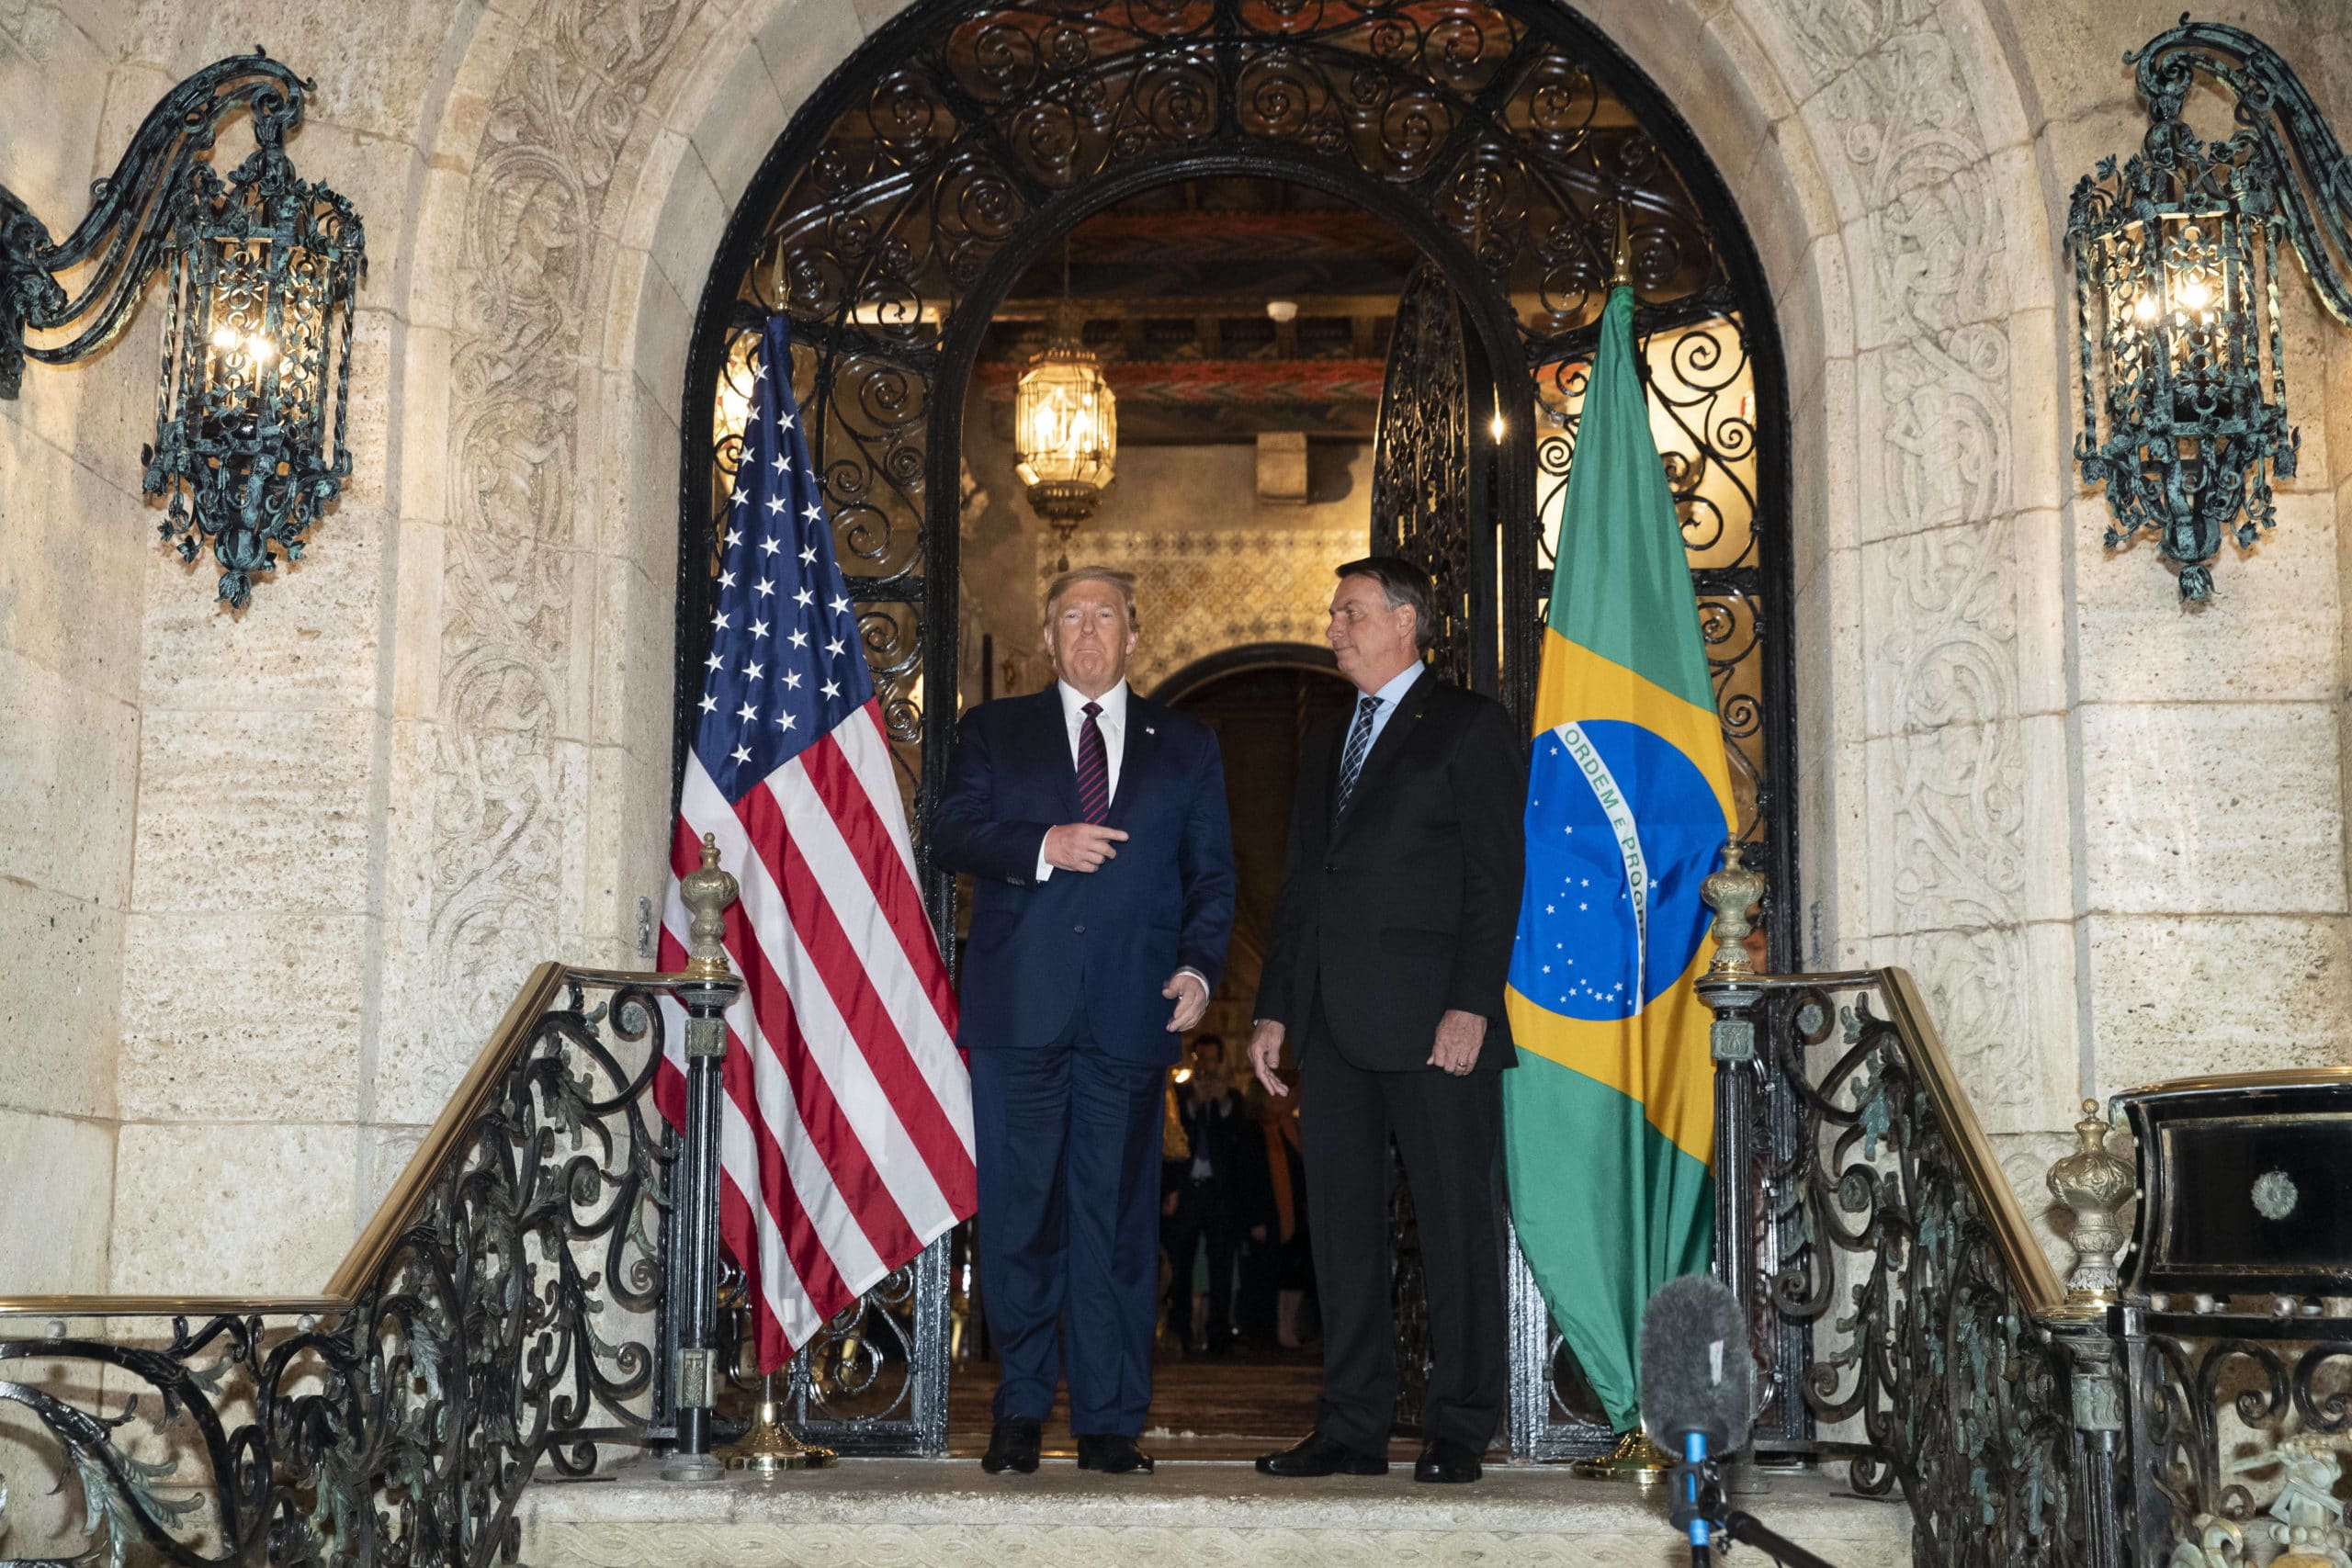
[1203, 592]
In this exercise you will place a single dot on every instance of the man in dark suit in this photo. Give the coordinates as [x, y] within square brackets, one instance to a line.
[1093, 825]
[1385, 972]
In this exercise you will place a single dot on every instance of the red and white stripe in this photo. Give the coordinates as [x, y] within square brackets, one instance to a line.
[846, 1141]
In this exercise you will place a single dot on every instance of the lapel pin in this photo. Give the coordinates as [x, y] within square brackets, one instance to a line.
[1149, 731]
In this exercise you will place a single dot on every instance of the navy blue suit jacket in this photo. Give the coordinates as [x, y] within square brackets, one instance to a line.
[1109, 938]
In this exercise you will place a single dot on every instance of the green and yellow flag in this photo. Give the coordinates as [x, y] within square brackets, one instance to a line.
[1610, 1120]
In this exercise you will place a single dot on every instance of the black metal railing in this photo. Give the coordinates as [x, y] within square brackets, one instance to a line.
[1905, 1318]
[503, 1317]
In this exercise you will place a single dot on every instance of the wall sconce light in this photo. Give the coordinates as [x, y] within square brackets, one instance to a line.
[2176, 255]
[261, 271]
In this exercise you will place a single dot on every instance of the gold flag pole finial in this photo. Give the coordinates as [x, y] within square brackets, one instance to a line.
[1622, 277]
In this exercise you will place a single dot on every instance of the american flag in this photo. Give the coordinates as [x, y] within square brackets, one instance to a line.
[846, 1140]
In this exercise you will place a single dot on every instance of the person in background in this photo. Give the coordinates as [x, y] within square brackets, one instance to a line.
[1277, 1270]
[1198, 1211]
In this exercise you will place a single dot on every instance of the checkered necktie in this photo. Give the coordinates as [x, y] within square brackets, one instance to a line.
[1351, 759]
[1094, 768]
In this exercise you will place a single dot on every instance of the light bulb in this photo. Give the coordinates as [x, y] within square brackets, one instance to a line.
[2146, 309]
[1498, 427]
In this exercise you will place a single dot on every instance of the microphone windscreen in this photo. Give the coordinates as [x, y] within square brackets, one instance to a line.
[1697, 1375]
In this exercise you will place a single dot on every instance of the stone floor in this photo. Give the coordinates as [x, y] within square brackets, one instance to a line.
[1192, 1514]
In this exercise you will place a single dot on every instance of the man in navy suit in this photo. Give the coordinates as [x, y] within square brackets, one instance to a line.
[1092, 823]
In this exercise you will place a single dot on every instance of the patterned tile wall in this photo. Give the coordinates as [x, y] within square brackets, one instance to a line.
[1202, 591]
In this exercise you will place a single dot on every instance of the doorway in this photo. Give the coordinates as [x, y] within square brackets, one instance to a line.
[1505, 140]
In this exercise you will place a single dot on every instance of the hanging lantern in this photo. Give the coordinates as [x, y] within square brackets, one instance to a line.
[261, 272]
[2177, 257]
[1066, 432]
[2174, 259]
[252, 416]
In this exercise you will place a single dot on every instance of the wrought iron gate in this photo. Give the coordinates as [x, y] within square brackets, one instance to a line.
[1502, 137]
[1432, 475]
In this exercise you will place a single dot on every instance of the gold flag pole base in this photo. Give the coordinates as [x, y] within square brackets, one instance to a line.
[1636, 1459]
[769, 1447]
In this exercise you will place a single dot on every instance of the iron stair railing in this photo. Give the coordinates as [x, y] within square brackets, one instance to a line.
[540, 1285]
[1904, 1318]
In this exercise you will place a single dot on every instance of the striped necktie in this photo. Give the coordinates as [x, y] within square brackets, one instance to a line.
[1351, 759]
[1094, 768]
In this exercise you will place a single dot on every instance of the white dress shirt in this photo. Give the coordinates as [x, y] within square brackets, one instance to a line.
[1389, 695]
[1112, 721]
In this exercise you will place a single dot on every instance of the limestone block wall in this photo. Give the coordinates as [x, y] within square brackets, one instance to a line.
[75, 547]
[265, 883]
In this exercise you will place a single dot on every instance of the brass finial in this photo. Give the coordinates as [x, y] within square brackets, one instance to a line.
[2093, 1185]
[1731, 893]
[1621, 274]
[705, 893]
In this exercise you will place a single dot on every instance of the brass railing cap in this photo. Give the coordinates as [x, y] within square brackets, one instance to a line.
[2236, 1083]
[170, 1306]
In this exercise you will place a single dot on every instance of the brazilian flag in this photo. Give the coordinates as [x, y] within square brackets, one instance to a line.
[1609, 1124]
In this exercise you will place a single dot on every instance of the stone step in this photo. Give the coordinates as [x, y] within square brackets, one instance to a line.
[946, 1514]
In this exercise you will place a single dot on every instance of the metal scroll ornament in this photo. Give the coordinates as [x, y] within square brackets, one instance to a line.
[2176, 253]
[261, 270]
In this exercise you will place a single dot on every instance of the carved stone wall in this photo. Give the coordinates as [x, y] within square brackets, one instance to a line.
[318, 846]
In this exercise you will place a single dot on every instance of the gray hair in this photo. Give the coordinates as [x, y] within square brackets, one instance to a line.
[1124, 582]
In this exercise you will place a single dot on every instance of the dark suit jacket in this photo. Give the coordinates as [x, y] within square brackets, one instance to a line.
[1109, 938]
[1409, 907]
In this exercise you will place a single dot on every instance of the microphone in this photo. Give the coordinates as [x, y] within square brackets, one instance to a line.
[1698, 1386]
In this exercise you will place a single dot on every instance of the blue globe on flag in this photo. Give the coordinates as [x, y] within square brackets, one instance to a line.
[1596, 960]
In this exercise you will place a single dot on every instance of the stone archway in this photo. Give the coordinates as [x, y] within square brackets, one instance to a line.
[1881, 156]
[1508, 142]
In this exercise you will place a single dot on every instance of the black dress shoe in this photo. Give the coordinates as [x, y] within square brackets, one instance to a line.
[1316, 1454]
[1446, 1461]
[1012, 1445]
[1112, 1454]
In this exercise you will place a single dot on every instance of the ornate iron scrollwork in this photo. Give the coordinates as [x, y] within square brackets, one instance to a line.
[512, 1325]
[1422, 502]
[1885, 1308]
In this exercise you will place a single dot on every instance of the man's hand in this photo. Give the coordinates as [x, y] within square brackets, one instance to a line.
[1192, 997]
[1266, 1056]
[1459, 1036]
[1167, 1206]
[1256, 1233]
[1081, 846]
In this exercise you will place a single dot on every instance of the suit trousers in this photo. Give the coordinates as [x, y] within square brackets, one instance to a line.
[1069, 1227]
[1449, 1131]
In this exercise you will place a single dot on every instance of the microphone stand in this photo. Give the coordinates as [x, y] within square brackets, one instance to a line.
[1743, 1528]
[1708, 1504]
